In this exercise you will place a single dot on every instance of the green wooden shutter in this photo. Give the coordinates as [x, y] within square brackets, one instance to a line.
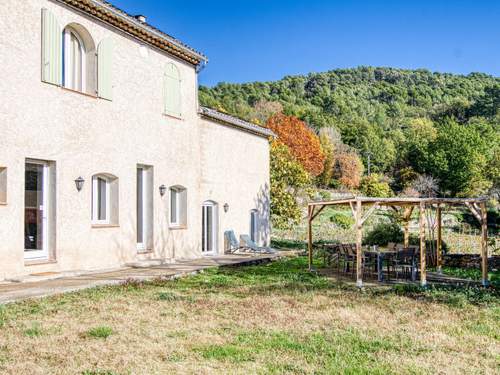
[51, 49]
[105, 69]
[172, 91]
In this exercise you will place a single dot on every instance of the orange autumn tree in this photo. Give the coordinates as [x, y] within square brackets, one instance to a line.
[301, 141]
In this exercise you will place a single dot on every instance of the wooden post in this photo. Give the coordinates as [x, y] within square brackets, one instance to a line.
[359, 239]
[309, 236]
[423, 275]
[484, 243]
[406, 225]
[439, 247]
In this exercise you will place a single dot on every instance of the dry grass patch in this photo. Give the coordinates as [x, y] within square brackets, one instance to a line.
[274, 318]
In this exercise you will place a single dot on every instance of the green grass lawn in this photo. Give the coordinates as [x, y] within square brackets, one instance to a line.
[268, 319]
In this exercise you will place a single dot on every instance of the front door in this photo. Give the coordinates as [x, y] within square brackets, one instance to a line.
[209, 228]
[36, 210]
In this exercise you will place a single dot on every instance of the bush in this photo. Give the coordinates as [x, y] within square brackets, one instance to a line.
[375, 186]
[342, 220]
[384, 233]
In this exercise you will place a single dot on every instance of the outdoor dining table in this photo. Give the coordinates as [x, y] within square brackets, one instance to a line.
[381, 254]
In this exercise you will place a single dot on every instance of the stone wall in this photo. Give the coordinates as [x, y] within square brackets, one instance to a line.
[470, 261]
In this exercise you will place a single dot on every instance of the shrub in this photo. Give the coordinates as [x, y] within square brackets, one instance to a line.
[383, 233]
[375, 186]
[348, 169]
[342, 220]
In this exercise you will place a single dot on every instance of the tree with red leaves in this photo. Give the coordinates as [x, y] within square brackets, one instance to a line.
[301, 141]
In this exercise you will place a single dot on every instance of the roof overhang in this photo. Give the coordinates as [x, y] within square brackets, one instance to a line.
[107, 13]
[228, 120]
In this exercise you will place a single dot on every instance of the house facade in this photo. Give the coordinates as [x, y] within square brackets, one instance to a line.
[106, 157]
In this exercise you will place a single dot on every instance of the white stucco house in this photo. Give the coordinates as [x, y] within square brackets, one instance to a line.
[106, 157]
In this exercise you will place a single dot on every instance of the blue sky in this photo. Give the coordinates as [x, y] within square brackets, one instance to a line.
[259, 40]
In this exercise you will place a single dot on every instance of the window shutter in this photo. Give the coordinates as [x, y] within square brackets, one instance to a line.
[172, 91]
[105, 69]
[51, 49]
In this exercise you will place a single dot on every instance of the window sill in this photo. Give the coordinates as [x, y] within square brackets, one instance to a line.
[177, 227]
[79, 92]
[39, 262]
[144, 251]
[3, 203]
[175, 117]
[101, 226]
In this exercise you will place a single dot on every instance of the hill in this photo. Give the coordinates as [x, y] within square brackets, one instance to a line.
[380, 111]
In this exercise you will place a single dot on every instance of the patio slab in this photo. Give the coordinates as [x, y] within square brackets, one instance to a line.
[12, 292]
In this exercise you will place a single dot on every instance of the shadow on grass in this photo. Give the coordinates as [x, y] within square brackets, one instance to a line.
[291, 277]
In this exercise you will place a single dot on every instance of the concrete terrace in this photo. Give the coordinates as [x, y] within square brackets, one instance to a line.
[41, 286]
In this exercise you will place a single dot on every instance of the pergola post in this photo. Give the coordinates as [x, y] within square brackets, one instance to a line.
[309, 236]
[484, 243]
[359, 239]
[406, 226]
[423, 275]
[439, 248]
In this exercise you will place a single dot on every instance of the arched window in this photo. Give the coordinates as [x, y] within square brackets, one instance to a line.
[172, 91]
[75, 61]
[104, 199]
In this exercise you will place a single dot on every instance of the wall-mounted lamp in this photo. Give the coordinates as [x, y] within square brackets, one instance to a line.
[79, 183]
[163, 190]
[226, 207]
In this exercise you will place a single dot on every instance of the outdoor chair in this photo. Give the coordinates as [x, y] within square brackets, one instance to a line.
[330, 254]
[246, 241]
[370, 263]
[348, 254]
[233, 245]
[404, 262]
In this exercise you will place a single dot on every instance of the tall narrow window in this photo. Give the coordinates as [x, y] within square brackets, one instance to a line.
[178, 206]
[74, 63]
[3, 185]
[100, 198]
[254, 225]
[144, 200]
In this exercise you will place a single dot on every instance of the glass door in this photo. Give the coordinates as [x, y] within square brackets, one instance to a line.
[209, 228]
[36, 210]
[141, 208]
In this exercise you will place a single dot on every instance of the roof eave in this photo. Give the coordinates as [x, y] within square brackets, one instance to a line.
[117, 18]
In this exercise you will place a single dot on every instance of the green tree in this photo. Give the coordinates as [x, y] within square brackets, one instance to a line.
[457, 158]
[288, 177]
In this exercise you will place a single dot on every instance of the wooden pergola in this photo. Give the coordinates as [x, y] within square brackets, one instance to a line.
[405, 206]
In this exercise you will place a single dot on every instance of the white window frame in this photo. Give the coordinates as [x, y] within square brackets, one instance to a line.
[145, 210]
[210, 248]
[178, 203]
[95, 200]
[68, 79]
[44, 252]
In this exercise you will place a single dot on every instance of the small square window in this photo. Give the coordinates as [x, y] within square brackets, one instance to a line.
[3, 185]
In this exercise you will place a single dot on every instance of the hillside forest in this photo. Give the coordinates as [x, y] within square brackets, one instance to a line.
[373, 131]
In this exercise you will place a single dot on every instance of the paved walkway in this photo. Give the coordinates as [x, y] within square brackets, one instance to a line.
[11, 292]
